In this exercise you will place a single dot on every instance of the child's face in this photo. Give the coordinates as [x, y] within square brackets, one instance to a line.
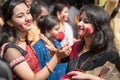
[54, 32]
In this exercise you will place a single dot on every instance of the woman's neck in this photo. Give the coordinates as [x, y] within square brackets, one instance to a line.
[87, 43]
[22, 37]
[62, 26]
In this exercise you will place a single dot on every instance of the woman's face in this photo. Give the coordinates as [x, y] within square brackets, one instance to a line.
[54, 32]
[64, 14]
[21, 17]
[85, 28]
[43, 13]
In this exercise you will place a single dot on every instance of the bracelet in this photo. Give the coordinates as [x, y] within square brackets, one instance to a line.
[47, 65]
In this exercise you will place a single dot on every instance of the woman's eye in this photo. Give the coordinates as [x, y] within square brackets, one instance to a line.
[19, 16]
[86, 21]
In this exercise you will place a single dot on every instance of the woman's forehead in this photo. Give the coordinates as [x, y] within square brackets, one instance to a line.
[19, 8]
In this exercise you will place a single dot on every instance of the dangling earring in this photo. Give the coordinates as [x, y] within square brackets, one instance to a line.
[47, 35]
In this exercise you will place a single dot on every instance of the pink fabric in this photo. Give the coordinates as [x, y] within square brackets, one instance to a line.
[12, 63]
[2, 49]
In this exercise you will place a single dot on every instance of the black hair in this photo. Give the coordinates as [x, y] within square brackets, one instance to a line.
[115, 11]
[47, 23]
[58, 8]
[102, 38]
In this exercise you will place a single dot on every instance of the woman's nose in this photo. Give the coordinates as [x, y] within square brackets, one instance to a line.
[27, 17]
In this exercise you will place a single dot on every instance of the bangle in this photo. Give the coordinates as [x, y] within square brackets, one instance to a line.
[47, 65]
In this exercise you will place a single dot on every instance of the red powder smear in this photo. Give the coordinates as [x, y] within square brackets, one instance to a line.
[88, 30]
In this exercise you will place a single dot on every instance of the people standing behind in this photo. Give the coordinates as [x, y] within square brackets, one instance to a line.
[15, 50]
[115, 24]
[94, 57]
[73, 12]
[37, 10]
[110, 5]
[52, 5]
[29, 2]
[61, 11]
[50, 27]
[113, 8]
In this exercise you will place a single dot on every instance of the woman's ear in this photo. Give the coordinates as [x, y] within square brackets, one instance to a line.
[58, 15]
[9, 22]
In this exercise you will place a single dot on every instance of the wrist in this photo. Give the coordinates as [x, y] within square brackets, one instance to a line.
[57, 56]
[93, 77]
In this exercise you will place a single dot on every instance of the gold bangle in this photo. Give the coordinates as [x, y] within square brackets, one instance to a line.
[47, 65]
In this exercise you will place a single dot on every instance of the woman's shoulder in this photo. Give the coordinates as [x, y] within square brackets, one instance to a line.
[10, 48]
[112, 54]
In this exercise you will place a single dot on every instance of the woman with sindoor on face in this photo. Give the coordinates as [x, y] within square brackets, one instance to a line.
[15, 50]
[95, 49]
[37, 10]
[61, 11]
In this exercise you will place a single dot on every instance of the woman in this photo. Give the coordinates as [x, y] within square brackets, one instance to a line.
[96, 48]
[15, 51]
[114, 12]
[37, 10]
[50, 27]
[61, 11]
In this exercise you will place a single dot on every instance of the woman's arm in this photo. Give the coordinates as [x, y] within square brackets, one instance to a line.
[24, 71]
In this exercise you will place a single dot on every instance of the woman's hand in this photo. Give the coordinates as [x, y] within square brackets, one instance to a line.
[48, 44]
[63, 51]
[77, 75]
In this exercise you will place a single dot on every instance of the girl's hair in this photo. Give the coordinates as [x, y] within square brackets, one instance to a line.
[47, 23]
[102, 37]
[36, 9]
[7, 31]
[58, 8]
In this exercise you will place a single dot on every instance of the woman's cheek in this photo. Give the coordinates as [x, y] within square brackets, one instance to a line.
[18, 25]
[88, 30]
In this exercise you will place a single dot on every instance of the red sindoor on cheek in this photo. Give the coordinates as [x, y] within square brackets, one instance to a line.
[19, 25]
[63, 17]
[88, 30]
[78, 27]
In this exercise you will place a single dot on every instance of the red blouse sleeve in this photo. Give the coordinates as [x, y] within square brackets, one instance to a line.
[75, 49]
